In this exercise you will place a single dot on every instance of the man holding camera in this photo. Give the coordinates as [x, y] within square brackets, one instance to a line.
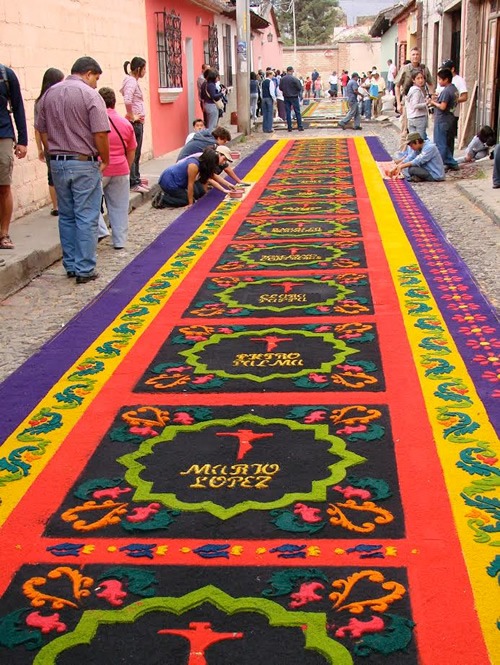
[403, 84]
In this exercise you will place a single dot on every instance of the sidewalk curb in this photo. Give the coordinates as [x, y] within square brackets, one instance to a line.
[29, 259]
[469, 189]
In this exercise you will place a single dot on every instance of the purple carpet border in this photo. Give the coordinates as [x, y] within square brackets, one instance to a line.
[472, 322]
[21, 391]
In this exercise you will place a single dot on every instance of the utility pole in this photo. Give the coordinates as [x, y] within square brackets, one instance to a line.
[243, 65]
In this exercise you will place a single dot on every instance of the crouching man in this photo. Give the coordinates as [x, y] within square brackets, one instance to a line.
[421, 161]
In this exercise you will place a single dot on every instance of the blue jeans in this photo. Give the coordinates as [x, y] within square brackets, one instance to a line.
[443, 125]
[289, 102]
[418, 124]
[135, 175]
[212, 113]
[79, 192]
[352, 113]
[116, 195]
[267, 114]
[367, 108]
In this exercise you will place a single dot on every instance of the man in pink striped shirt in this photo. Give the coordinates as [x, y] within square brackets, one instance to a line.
[74, 126]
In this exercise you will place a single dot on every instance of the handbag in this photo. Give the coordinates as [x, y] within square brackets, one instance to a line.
[218, 102]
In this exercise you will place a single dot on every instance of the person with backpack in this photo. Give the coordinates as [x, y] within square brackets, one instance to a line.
[11, 106]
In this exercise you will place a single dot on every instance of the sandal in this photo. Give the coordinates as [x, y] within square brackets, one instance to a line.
[6, 242]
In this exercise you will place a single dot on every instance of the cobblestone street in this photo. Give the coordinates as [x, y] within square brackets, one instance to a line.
[40, 310]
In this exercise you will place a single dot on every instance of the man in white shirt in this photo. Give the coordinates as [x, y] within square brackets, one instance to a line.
[391, 76]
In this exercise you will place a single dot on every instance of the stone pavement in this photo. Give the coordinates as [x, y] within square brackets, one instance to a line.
[42, 300]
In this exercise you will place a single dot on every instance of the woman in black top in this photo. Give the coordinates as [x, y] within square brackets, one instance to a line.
[209, 95]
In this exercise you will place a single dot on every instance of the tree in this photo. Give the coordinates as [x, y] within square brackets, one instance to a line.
[314, 20]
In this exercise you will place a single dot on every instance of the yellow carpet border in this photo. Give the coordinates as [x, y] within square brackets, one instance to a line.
[477, 556]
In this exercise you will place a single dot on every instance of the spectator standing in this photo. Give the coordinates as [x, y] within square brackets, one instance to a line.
[210, 95]
[402, 86]
[344, 79]
[463, 95]
[199, 82]
[444, 119]
[352, 99]
[115, 183]
[11, 105]
[318, 87]
[136, 114]
[74, 125]
[268, 100]
[280, 100]
[377, 90]
[391, 75]
[416, 105]
[254, 95]
[50, 78]
[420, 161]
[307, 87]
[291, 88]
[333, 82]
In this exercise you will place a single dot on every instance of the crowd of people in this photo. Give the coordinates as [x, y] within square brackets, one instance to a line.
[93, 153]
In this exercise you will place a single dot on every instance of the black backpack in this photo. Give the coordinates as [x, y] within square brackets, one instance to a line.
[5, 80]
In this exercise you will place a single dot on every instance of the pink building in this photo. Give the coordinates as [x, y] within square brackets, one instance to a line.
[176, 39]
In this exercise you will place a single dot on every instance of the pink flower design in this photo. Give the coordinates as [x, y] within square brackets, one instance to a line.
[491, 376]
[477, 330]
[317, 378]
[487, 360]
[483, 344]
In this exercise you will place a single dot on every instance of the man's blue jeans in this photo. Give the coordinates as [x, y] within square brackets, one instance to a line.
[267, 114]
[443, 125]
[289, 102]
[79, 193]
[352, 113]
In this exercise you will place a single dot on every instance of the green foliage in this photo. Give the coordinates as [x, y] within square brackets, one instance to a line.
[314, 20]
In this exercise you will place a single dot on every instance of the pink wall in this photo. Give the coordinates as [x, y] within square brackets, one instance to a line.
[265, 53]
[170, 121]
[402, 31]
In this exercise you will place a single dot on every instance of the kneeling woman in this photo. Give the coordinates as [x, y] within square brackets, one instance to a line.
[188, 180]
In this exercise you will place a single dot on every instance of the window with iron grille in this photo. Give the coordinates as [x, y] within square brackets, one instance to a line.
[213, 47]
[169, 49]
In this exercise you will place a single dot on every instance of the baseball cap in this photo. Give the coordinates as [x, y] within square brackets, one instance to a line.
[413, 136]
[447, 64]
[224, 150]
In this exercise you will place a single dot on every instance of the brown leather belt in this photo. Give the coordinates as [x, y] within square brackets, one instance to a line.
[80, 158]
